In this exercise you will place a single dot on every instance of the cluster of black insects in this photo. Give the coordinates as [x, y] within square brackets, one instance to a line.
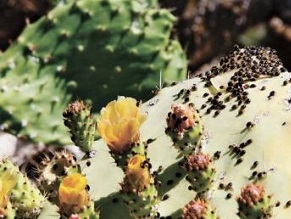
[248, 64]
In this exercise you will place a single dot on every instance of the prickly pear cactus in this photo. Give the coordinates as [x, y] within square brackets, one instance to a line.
[244, 106]
[101, 48]
[235, 122]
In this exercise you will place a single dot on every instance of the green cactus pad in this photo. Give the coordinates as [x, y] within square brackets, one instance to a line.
[88, 49]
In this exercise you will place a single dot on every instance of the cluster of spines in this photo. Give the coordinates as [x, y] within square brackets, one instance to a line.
[47, 168]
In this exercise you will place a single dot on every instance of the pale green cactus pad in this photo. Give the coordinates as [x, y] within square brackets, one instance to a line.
[247, 131]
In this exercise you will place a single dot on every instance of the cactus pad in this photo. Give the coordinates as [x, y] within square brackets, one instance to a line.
[101, 48]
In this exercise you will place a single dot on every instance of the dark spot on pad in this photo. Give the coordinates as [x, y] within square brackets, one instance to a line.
[115, 200]
[170, 182]
[228, 196]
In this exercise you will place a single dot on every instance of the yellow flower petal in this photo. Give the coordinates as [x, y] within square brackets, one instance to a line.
[119, 123]
[7, 181]
[73, 195]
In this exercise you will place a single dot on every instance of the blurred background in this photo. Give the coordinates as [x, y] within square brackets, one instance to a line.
[207, 29]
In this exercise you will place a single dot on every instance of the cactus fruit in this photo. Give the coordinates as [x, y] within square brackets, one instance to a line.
[138, 188]
[184, 127]
[200, 172]
[198, 209]
[81, 124]
[254, 203]
[101, 48]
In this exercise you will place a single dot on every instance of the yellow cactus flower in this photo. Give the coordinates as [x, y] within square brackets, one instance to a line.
[7, 182]
[137, 174]
[73, 196]
[119, 123]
